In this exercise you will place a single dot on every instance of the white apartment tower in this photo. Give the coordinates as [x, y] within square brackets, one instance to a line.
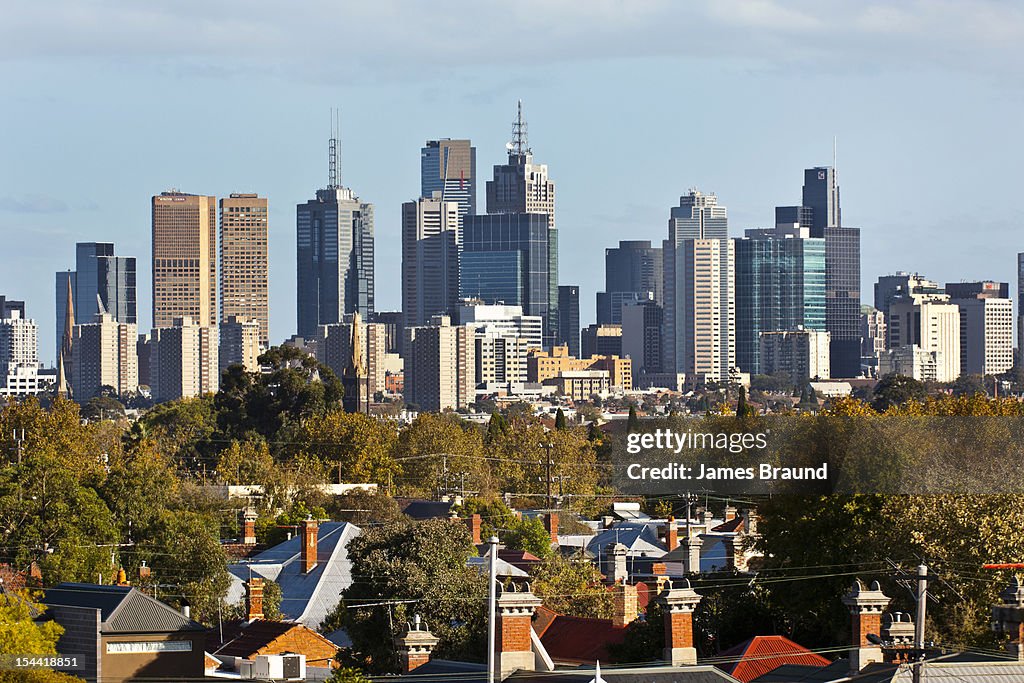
[700, 311]
[183, 360]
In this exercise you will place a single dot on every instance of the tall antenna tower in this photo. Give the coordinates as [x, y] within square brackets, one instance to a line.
[334, 151]
[520, 141]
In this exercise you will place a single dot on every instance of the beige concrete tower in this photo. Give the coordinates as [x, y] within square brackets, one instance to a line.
[243, 261]
[184, 258]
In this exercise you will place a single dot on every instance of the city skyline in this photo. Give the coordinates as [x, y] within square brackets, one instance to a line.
[750, 150]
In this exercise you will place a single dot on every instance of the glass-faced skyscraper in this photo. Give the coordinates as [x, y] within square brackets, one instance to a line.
[449, 167]
[821, 213]
[506, 260]
[430, 259]
[334, 250]
[780, 286]
[633, 272]
[99, 278]
[520, 191]
[700, 313]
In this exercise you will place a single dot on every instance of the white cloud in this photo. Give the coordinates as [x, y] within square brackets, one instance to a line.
[395, 35]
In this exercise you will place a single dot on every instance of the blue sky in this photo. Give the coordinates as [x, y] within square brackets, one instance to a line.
[629, 102]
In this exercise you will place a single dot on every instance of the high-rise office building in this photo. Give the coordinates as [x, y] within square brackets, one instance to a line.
[820, 213]
[569, 318]
[889, 287]
[521, 186]
[183, 360]
[506, 259]
[430, 259]
[821, 196]
[872, 334]
[986, 326]
[601, 340]
[100, 279]
[929, 322]
[641, 336]
[449, 167]
[633, 271]
[184, 258]
[104, 357]
[334, 250]
[243, 261]
[503, 321]
[440, 365]
[700, 313]
[780, 285]
[240, 343]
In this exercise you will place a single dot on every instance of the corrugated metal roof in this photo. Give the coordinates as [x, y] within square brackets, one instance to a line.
[963, 672]
[123, 609]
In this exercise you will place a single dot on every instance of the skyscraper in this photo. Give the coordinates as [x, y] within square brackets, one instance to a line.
[569, 318]
[521, 187]
[506, 259]
[183, 360]
[1020, 308]
[449, 167]
[184, 258]
[430, 259]
[820, 212]
[780, 286]
[243, 261]
[700, 314]
[821, 196]
[334, 249]
[100, 279]
[633, 272]
[986, 326]
[440, 365]
[19, 350]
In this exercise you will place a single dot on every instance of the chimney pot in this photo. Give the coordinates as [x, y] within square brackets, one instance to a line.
[254, 599]
[866, 606]
[679, 601]
[551, 524]
[515, 610]
[415, 645]
[249, 526]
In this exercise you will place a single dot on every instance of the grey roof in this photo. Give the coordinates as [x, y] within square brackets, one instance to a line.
[446, 670]
[963, 672]
[802, 673]
[123, 609]
[639, 539]
[305, 598]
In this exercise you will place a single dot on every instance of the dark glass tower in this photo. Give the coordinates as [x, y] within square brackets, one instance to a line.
[449, 167]
[569, 318]
[633, 271]
[507, 258]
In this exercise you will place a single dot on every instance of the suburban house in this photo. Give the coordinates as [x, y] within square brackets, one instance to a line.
[124, 634]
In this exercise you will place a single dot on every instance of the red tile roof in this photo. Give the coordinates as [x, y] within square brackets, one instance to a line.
[763, 654]
[577, 640]
[730, 526]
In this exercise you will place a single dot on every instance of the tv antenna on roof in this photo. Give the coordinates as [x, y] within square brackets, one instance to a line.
[334, 151]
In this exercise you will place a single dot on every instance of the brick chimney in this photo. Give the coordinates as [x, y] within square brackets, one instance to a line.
[514, 642]
[898, 633]
[475, 525]
[144, 571]
[310, 528]
[671, 534]
[248, 519]
[627, 604]
[254, 599]
[415, 645]
[730, 513]
[1008, 618]
[750, 521]
[551, 524]
[679, 601]
[691, 563]
[866, 607]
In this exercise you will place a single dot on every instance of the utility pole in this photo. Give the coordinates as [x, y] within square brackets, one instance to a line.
[922, 603]
[547, 447]
[19, 440]
[492, 599]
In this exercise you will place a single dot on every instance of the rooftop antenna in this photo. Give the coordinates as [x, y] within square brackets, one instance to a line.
[334, 151]
[835, 145]
[520, 143]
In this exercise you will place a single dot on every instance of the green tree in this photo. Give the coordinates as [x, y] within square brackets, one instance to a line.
[572, 587]
[20, 632]
[969, 385]
[896, 390]
[530, 535]
[443, 451]
[348, 674]
[560, 422]
[354, 447]
[409, 568]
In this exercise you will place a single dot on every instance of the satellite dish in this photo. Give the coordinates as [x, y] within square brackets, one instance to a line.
[508, 146]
